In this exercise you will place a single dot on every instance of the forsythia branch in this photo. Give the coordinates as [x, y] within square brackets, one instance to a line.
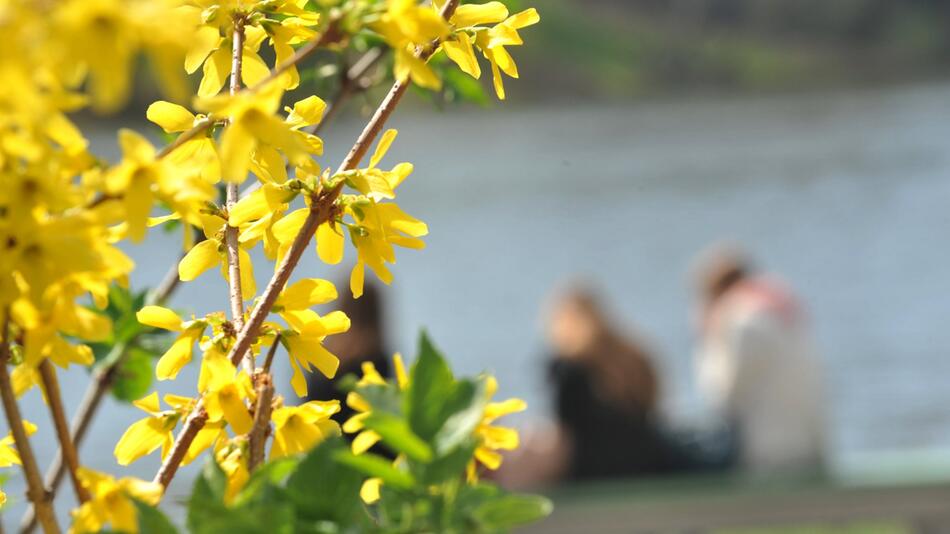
[235, 294]
[257, 437]
[92, 398]
[66, 445]
[353, 82]
[35, 491]
[321, 209]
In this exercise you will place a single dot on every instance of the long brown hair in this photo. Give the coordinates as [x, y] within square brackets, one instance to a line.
[621, 367]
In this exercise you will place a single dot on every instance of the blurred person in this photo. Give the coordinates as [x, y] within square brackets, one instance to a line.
[755, 365]
[365, 341]
[606, 393]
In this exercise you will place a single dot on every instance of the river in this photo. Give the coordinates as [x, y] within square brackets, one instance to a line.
[844, 194]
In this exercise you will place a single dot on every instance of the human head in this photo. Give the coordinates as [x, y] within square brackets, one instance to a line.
[576, 322]
[718, 269]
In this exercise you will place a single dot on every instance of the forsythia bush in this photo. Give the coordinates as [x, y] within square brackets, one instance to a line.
[242, 170]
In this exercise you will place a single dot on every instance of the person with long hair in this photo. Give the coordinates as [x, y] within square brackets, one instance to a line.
[606, 393]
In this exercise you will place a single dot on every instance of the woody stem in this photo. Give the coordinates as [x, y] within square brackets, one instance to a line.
[231, 232]
[55, 402]
[257, 437]
[35, 491]
[95, 392]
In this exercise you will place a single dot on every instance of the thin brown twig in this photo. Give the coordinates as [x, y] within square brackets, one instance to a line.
[264, 387]
[257, 437]
[322, 208]
[270, 354]
[92, 399]
[235, 294]
[55, 401]
[193, 424]
[353, 82]
[35, 491]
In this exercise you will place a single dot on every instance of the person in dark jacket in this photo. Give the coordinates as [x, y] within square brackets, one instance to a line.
[606, 393]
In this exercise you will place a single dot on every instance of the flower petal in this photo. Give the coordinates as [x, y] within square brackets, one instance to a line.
[199, 259]
[159, 317]
[171, 117]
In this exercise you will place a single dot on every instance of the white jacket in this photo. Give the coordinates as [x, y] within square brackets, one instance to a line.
[757, 369]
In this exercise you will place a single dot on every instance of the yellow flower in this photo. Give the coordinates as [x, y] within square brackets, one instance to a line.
[98, 40]
[225, 394]
[299, 428]
[182, 349]
[256, 214]
[141, 178]
[492, 43]
[365, 439]
[111, 502]
[198, 154]
[8, 454]
[234, 464]
[294, 29]
[494, 438]
[405, 25]
[286, 23]
[146, 435]
[377, 225]
[470, 20]
[51, 255]
[212, 252]
[304, 343]
[217, 65]
[252, 124]
[304, 339]
[467, 17]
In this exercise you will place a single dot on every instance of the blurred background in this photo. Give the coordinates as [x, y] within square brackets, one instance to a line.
[814, 135]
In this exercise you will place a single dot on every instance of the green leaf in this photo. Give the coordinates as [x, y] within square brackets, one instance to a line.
[152, 520]
[463, 410]
[121, 309]
[266, 477]
[323, 489]
[450, 466]
[511, 511]
[207, 498]
[376, 466]
[397, 435]
[208, 514]
[430, 383]
[382, 398]
[133, 376]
